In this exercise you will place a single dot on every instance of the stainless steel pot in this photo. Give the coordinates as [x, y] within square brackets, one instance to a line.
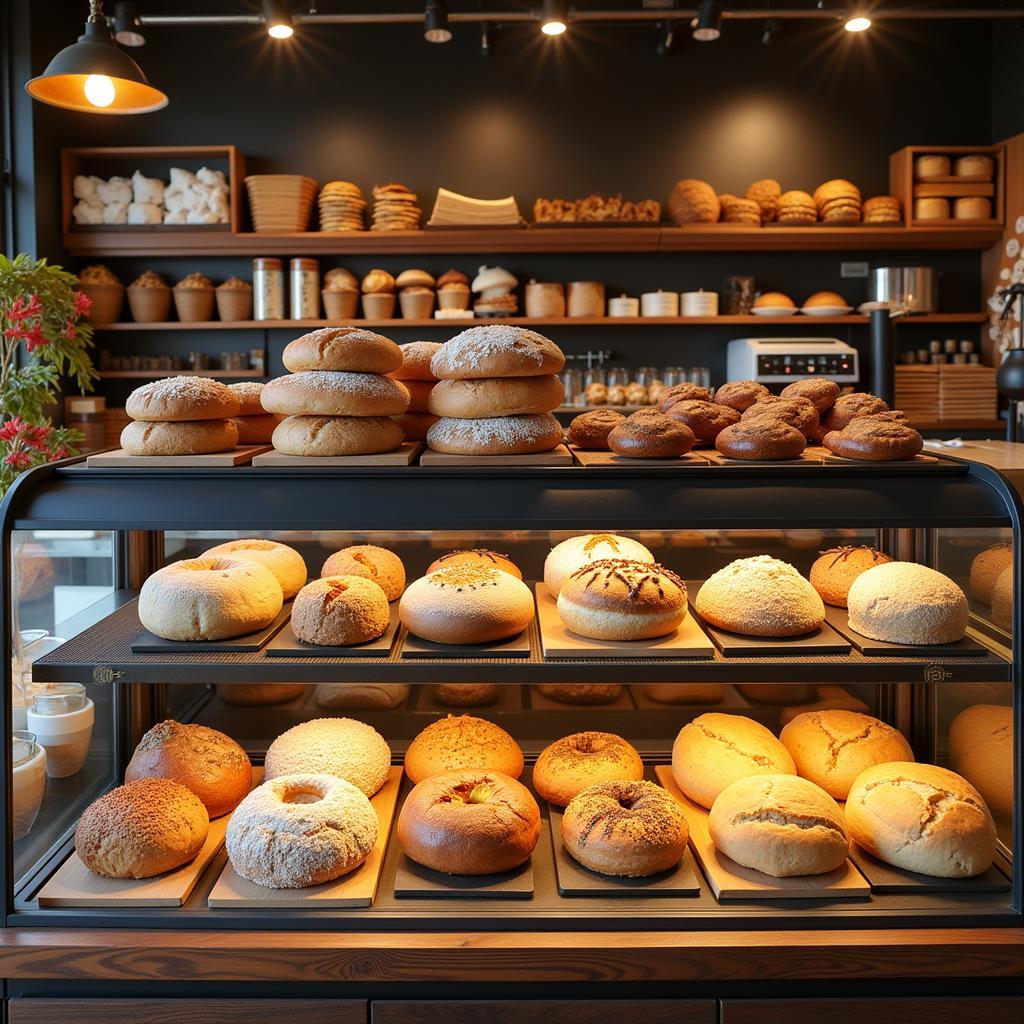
[912, 289]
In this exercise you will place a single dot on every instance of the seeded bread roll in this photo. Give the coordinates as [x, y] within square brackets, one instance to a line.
[351, 349]
[780, 825]
[202, 437]
[585, 694]
[496, 396]
[462, 743]
[287, 565]
[324, 436]
[714, 750]
[416, 356]
[985, 569]
[565, 558]
[335, 393]
[179, 399]
[833, 573]
[831, 748]
[760, 596]
[921, 818]
[907, 603]
[572, 764]
[981, 750]
[496, 435]
[496, 350]
[340, 610]
[476, 556]
[384, 567]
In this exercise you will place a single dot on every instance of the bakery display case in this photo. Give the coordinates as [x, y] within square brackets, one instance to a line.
[957, 706]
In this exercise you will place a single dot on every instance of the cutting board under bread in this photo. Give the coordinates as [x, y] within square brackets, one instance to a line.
[121, 459]
[402, 456]
[356, 889]
[732, 881]
[588, 457]
[560, 456]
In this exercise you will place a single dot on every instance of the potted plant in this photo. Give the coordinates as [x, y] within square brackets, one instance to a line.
[43, 336]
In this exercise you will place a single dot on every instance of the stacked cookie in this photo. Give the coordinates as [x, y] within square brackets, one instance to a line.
[337, 399]
[181, 416]
[797, 207]
[342, 206]
[882, 210]
[497, 387]
[254, 424]
[419, 379]
[740, 211]
[395, 208]
[838, 201]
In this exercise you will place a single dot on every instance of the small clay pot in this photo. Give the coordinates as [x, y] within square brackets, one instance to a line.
[234, 303]
[379, 305]
[343, 305]
[545, 298]
[194, 305]
[416, 303]
[149, 305]
[107, 302]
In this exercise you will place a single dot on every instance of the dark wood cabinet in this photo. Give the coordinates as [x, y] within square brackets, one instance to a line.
[187, 1011]
[572, 1011]
[909, 1010]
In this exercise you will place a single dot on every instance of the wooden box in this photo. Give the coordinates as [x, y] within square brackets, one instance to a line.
[904, 185]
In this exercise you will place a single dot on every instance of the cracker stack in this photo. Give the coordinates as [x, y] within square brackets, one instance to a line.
[181, 416]
[342, 207]
[838, 202]
[395, 208]
[796, 207]
[882, 210]
[337, 400]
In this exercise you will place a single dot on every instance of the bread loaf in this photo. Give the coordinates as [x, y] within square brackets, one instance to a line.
[981, 750]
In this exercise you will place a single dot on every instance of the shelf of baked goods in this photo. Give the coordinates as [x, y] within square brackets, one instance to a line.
[690, 238]
[160, 374]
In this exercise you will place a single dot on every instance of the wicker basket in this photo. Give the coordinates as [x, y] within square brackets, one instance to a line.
[343, 305]
[149, 305]
[194, 305]
[234, 303]
[107, 302]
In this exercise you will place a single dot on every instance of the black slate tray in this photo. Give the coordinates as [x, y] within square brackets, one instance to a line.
[884, 877]
[148, 643]
[414, 881]
[416, 647]
[287, 645]
[965, 647]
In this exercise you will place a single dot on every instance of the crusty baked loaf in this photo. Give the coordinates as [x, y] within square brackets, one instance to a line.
[566, 557]
[981, 750]
[832, 573]
[419, 395]
[714, 750]
[781, 825]
[821, 393]
[796, 411]
[202, 437]
[256, 429]
[361, 695]
[415, 425]
[465, 695]
[649, 434]
[337, 611]
[848, 408]
[248, 394]
[287, 565]
[831, 748]
[761, 440]
[416, 356]
[590, 430]
[907, 603]
[741, 394]
[496, 435]
[352, 349]
[496, 396]
[476, 556]
[692, 201]
[384, 567]
[325, 436]
[706, 419]
[685, 693]
[874, 439]
[496, 350]
[1003, 600]
[921, 818]
[985, 569]
[684, 392]
[586, 694]
[760, 596]
[335, 393]
[462, 742]
[176, 399]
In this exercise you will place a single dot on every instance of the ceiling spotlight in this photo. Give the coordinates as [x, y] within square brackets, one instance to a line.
[554, 17]
[857, 22]
[666, 39]
[95, 76]
[486, 40]
[707, 26]
[435, 22]
[128, 25]
[278, 19]
[771, 30]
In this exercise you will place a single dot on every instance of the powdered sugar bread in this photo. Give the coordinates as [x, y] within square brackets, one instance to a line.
[496, 396]
[352, 349]
[416, 356]
[325, 436]
[199, 437]
[335, 393]
[175, 399]
[760, 596]
[496, 350]
[496, 435]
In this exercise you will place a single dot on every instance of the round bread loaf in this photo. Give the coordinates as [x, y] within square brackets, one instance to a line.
[342, 747]
[496, 396]
[761, 440]
[465, 695]
[416, 356]
[285, 563]
[628, 828]
[466, 604]
[649, 434]
[469, 822]
[142, 829]
[256, 695]
[874, 439]
[209, 599]
[248, 394]
[780, 825]
[256, 429]
[1002, 599]
[741, 394]
[202, 437]
[568, 556]
[323, 436]
[781, 693]
[832, 573]
[496, 435]
[986, 567]
[693, 201]
[209, 763]
[685, 693]
[415, 425]
[714, 750]
[384, 567]
[178, 399]
[619, 599]
[574, 763]
[797, 412]
[374, 696]
[335, 393]
[831, 748]
[300, 830]
[351, 349]
[590, 430]
[706, 419]
[585, 694]
[684, 392]
[921, 818]
[476, 556]
[337, 611]
[760, 596]
[981, 750]
[419, 395]
[821, 393]
[847, 408]
[907, 603]
[462, 743]
[496, 350]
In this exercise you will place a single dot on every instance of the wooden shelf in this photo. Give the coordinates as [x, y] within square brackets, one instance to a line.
[692, 238]
[159, 374]
[543, 321]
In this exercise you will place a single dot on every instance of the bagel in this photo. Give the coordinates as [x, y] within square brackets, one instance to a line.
[574, 763]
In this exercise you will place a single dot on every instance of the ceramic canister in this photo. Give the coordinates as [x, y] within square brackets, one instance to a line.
[659, 303]
[545, 298]
[699, 303]
[624, 305]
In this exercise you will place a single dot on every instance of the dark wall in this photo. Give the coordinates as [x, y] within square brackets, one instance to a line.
[1007, 80]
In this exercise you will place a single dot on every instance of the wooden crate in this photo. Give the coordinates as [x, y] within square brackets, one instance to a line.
[967, 392]
[917, 391]
[905, 188]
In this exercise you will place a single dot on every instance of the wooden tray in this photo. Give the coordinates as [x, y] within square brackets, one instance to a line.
[732, 881]
[560, 456]
[413, 881]
[416, 647]
[403, 456]
[120, 459]
[287, 645]
[965, 647]
[885, 878]
[809, 457]
[356, 889]
[576, 880]
[148, 643]
[688, 641]
[589, 457]
[917, 460]
[538, 702]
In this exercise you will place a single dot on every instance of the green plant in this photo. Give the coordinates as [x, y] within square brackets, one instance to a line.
[42, 338]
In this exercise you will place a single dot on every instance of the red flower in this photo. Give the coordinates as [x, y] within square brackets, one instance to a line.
[35, 338]
[83, 304]
[36, 437]
[60, 452]
[69, 330]
[12, 428]
[16, 332]
[19, 459]
[22, 310]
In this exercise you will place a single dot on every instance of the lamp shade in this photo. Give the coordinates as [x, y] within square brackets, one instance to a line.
[116, 84]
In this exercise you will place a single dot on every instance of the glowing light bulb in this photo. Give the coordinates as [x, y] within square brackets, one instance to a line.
[553, 28]
[99, 90]
[281, 30]
[858, 23]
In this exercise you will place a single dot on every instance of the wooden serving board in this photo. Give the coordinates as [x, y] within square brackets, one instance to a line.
[688, 641]
[414, 881]
[732, 881]
[965, 647]
[840, 460]
[287, 645]
[402, 456]
[591, 458]
[120, 459]
[516, 647]
[356, 889]
[148, 643]
[560, 456]
[809, 457]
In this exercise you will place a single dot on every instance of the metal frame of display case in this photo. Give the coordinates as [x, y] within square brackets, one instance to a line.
[945, 494]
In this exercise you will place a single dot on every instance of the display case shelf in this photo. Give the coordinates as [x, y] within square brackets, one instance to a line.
[159, 374]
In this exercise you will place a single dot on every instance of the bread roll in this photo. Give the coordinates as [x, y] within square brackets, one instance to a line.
[932, 165]
[337, 611]
[476, 556]
[178, 399]
[976, 165]
[335, 393]
[325, 436]
[415, 425]
[285, 563]
[361, 695]
[496, 396]
[496, 435]
[419, 395]
[985, 569]
[462, 742]
[416, 356]
[256, 429]
[586, 694]
[259, 694]
[248, 394]
[203, 437]
[568, 556]
[832, 574]
[351, 349]
[384, 567]
[1002, 599]
[465, 695]
[496, 350]
[981, 750]
[649, 434]
[972, 208]
[685, 693]
[574, 763]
